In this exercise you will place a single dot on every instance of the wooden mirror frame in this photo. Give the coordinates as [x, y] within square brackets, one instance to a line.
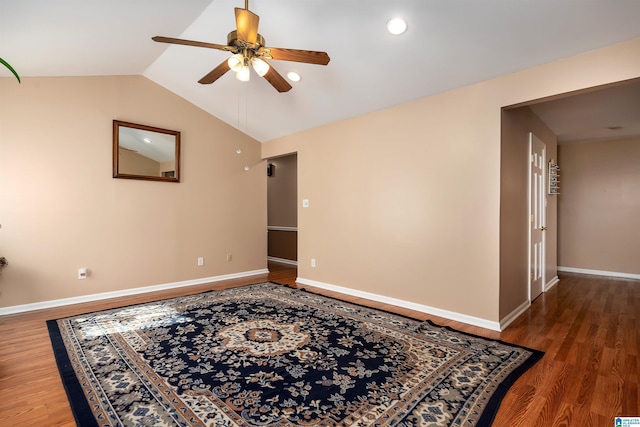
[136, 131]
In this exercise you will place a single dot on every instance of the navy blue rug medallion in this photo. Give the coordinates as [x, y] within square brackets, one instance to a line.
[268, 355]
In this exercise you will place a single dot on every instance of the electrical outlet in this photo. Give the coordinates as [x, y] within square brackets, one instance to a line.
[229, 257]
[200, 261]
[313, 262]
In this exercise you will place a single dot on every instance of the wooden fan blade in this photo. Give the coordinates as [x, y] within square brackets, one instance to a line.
[215, 74]
[247, 25]
[277, 81]
[189, 43]
[296, 55]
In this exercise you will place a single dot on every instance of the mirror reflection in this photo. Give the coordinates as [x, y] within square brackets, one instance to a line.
[145, 152]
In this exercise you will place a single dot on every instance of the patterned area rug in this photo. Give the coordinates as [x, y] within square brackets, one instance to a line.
[268, 355]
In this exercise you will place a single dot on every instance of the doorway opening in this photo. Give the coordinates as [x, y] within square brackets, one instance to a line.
[282, 210]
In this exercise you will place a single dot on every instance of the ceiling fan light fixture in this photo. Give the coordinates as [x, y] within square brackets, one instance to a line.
[260, 66]
[244, 43]
[397, 26]
[236, 62]
[244, 74]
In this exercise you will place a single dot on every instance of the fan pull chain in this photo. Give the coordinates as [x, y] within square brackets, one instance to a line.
[246, 122]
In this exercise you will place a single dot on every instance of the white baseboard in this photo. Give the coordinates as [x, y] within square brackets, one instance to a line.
[282, 260]
[127, 292]
[509, 318]
[551, 283]
[599, 273]
[458, 317]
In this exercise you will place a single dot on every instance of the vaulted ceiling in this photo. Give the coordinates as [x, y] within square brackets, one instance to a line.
[449, 43]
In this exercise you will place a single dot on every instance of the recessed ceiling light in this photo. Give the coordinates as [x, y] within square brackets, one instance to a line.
[397, 26]
[293, 76]
[147, 140]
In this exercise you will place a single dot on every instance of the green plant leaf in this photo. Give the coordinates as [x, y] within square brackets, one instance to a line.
[6, 64]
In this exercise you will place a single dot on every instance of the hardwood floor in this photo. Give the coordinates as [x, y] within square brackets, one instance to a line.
[589, 328]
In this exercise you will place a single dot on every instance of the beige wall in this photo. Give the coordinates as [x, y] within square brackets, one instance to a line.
[60, 209]
[599, 207]
[514, 207]
[405, 202]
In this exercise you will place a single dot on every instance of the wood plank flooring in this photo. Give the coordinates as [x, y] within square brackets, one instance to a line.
[589, 328]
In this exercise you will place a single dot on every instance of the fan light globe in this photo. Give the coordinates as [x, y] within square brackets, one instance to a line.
[244, 74]
[235, 62]
[260, 66]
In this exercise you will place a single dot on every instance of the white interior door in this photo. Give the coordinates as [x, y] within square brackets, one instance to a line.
[537, 220]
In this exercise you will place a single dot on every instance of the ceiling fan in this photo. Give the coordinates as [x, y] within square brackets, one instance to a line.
[248, 47]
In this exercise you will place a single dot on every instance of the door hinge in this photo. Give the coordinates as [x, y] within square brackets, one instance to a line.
[531, 217]
[531, 277]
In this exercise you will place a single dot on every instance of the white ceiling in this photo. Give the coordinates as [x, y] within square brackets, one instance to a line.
[450, 43]
[611, 112]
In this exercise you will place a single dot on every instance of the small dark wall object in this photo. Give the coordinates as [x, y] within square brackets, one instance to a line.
[270, 169]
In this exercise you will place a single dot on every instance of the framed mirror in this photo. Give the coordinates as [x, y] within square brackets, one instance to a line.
[145, 152]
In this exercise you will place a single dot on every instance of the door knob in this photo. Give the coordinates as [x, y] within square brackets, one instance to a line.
[543, 228]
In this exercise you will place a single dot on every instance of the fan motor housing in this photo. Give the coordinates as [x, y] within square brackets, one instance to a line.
[232, 40]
